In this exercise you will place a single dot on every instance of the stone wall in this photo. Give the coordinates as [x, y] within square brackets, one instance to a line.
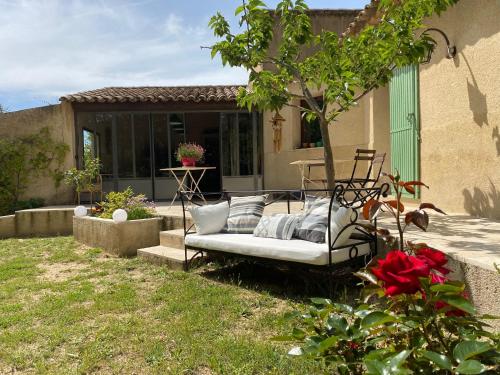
[460, 112]
[59, 118]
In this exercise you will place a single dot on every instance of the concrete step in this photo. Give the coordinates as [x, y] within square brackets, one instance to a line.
[172, 238]
[169, 256]
[175, 221]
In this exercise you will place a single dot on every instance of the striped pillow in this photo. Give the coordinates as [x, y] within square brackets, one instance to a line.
[314, 221]
[280, 226]
[245, 213]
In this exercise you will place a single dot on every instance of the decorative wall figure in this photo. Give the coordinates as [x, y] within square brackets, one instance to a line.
[277, 123]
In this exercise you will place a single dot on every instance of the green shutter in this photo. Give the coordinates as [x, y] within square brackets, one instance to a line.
[405, 118]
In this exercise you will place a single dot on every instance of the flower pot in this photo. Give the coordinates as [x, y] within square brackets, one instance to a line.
[188, 162]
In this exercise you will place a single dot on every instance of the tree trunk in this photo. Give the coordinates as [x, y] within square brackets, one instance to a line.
[328, 153]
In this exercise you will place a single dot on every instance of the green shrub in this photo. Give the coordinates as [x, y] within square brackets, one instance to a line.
[84, 179]
[137, 206]
[25, 158]
[29, 204]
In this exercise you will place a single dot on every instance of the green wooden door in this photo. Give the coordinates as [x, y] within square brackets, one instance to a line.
[405, 125]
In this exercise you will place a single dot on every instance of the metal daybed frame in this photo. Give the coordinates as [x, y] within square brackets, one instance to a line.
[339, 195]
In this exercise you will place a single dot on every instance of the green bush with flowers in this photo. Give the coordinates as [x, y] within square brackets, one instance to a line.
[411, 318]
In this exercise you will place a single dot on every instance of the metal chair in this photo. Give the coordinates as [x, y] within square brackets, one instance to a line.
[375, 163]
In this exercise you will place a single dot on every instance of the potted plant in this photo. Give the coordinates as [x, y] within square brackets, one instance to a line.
[189, 153]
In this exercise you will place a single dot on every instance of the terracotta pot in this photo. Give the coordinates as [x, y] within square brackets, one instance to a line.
[188, 162]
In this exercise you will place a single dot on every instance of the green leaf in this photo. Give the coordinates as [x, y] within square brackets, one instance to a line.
[447, 288]
[398, 360]
[467, 349]
[459, 302]
[343, 308]
[298, 334]
[439, 359]
[337, 323]
[328, 343]
[321, 301]
[470, 367]
[376, 318]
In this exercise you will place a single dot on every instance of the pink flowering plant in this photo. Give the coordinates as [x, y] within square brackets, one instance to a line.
[191, 151]
[411, 317]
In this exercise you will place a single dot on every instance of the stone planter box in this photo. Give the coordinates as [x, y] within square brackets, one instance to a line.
[121, 239]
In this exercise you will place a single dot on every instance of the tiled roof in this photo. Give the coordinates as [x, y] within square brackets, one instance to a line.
[163, 94]
[366, 16]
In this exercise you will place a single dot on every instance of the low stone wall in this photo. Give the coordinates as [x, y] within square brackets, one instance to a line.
[7, 226]
[44, 222]
[37, 223]
[121, 239]
[482, 285]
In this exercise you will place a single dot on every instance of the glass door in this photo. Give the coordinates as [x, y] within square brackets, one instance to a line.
[240, 147]
[168, 132]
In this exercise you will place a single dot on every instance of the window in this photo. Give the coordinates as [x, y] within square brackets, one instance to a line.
[160, 130]
[310, 130]
[177, 134]
[237, 144]
[142, 146]
[104, 142]
[125, 145]
[96, 131]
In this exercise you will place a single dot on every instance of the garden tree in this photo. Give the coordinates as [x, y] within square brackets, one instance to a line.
[343, 69]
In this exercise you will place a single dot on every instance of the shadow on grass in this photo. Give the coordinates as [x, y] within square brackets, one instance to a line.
[281, 281]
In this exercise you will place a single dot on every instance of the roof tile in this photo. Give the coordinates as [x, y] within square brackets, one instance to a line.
[163, 94]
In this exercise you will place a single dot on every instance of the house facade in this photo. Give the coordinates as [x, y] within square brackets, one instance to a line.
[437, 122]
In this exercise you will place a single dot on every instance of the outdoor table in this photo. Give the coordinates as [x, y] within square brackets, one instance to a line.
[305, 170]
[187, 182]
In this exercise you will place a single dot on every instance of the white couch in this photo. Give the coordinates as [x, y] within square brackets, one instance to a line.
[295, 250]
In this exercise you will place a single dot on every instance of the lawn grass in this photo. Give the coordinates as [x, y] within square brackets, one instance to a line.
[69, 309]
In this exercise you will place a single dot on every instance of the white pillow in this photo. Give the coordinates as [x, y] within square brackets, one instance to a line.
[210, 218]
[340, 218]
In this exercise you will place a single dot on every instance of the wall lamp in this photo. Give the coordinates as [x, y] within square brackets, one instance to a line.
[451, 50]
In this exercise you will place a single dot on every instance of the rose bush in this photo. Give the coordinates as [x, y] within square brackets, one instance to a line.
[411, 318]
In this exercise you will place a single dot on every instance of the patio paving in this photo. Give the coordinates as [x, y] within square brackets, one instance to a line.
[471, 240]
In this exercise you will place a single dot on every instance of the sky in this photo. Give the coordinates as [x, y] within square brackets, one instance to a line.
[49, 48]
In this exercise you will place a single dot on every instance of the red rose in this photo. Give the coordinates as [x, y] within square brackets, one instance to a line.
[437, 279]
[400, 273]
[435, 259]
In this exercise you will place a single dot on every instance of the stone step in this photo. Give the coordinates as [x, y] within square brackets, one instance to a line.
[175, 221]
[163, 255]
[172, 238]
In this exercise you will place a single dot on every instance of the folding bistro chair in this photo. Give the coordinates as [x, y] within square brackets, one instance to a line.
[375, 163]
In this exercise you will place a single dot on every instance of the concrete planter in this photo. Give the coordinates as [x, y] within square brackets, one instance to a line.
[121, 239]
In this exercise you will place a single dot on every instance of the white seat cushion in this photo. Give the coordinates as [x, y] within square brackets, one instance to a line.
[293, 251]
